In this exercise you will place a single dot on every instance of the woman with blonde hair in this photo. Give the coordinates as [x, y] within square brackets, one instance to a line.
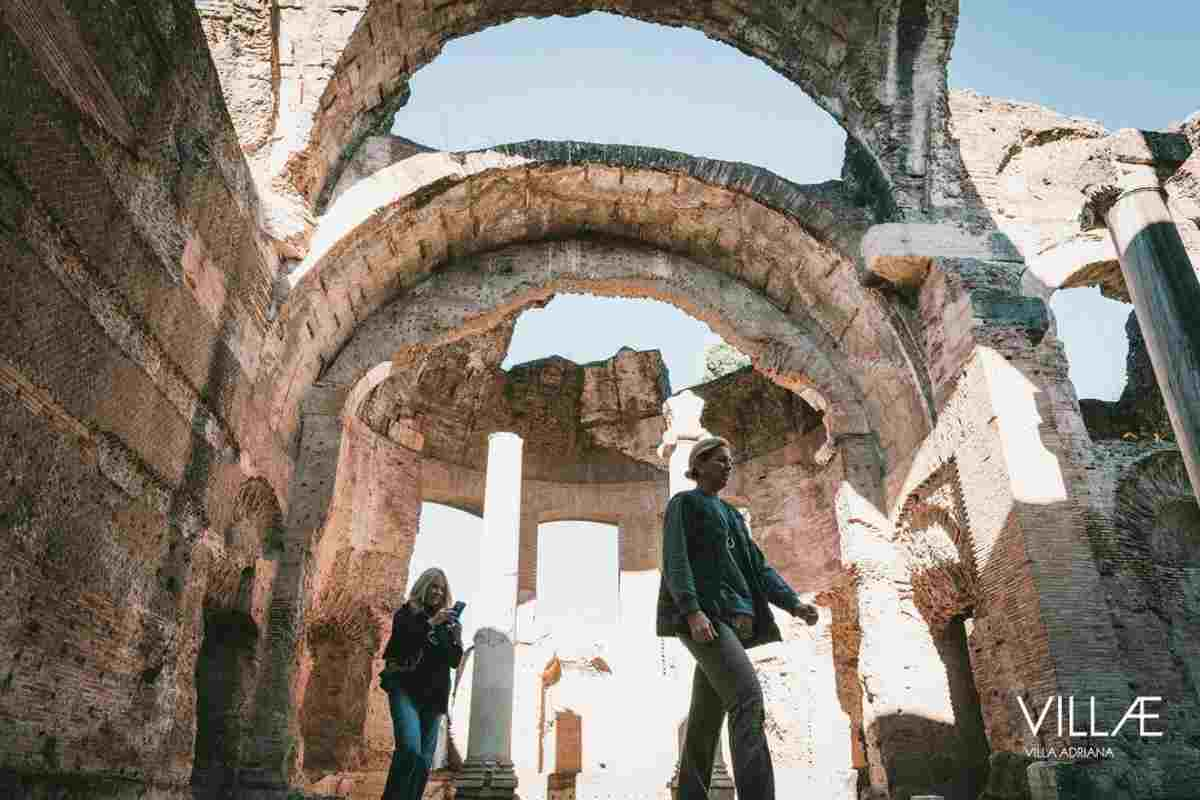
[426, 643]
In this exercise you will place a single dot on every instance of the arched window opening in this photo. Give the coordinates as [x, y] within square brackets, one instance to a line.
[225, 673]
[585, 328]
[1092, 330]
[1110, 367]
[577, 578]
[570, 79]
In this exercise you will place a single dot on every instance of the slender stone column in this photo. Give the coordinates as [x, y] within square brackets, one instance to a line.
[488, 770]
[1166, 294]
[683, 412]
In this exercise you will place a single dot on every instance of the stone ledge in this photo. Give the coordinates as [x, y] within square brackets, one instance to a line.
[901, 253]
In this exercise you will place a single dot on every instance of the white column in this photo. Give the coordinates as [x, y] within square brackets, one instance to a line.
[497, 594]
[683, 412]
[488, 772]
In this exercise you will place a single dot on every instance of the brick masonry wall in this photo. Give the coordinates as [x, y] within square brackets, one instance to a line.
[125, 380]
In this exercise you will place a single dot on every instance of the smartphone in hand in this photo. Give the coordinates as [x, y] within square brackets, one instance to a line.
[457, 609]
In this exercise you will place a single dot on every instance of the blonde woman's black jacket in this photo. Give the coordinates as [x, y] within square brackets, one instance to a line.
[424, 656]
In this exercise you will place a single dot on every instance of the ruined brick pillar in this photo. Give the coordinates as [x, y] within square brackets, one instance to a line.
[349, 532]
[908, 718]
[379, 570]
[1008, 419]
[488, 770]
[568, 756]
[274, 753]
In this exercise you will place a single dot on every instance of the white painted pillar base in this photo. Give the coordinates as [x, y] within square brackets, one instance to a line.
[488, 772]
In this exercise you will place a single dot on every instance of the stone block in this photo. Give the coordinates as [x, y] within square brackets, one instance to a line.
[901, 253]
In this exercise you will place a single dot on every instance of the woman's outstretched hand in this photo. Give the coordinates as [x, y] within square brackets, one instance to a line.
[701, 629]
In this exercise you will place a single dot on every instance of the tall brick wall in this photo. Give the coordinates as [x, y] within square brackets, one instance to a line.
[130, 427]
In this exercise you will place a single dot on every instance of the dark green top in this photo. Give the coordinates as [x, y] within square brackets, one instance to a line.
[710, 563]
[735, 596]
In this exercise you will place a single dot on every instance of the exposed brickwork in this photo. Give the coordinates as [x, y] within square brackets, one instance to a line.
[128, 440]
[206, 516]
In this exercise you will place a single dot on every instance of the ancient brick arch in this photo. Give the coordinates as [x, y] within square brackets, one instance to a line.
[454, 303]
[780, 247]
[877, 66]
[935, 535]
[229, 663]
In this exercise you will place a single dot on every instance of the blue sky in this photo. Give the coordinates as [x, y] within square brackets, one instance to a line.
[607, 79]
[1122, 64]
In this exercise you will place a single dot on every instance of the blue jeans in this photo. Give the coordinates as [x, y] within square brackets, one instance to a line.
[725, 684]
[416, 732]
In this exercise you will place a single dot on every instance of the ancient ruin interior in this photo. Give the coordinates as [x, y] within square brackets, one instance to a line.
[247, 332]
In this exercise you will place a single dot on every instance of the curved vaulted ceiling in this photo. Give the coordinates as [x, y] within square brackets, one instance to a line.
[754, 256]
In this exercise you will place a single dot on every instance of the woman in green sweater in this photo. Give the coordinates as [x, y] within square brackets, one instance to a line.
[716, 586]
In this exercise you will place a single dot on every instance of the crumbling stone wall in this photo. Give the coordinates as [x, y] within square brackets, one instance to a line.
[134, 303]
[1143, 526]
[1140, 412]
[1023, 170]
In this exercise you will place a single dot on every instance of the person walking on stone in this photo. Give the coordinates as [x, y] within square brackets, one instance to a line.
[426, 642]
[715, 588]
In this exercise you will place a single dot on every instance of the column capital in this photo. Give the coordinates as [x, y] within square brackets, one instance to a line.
[1103, 197]
[1099, 198]
[682, 412]
[504, 436]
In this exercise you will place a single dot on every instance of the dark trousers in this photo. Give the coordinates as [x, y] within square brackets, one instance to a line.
[725, 683]
[416, 732]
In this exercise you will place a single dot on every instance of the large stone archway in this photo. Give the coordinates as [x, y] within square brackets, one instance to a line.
[855, 344]
[341, 574]
[437, 248]
[877, 66]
